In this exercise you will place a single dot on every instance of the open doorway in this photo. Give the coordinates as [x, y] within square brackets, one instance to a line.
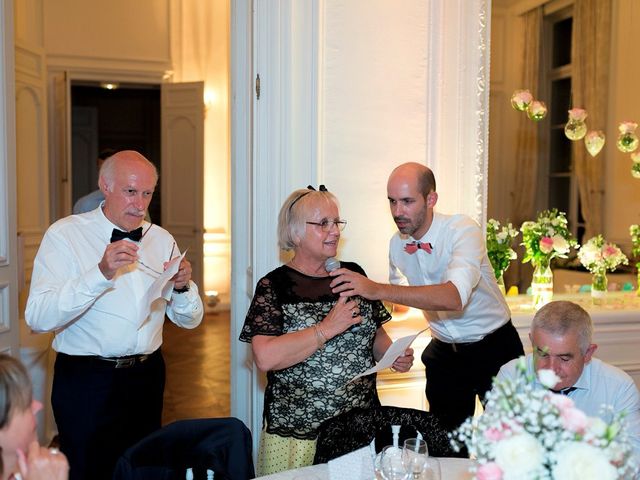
[119, 117]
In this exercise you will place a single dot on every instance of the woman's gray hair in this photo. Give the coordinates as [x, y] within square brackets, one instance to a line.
[560, 317]
[294, 215]
[15, 388]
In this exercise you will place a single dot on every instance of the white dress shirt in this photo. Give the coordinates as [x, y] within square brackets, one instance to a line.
[459, 255]
[91, 315]
[600, 384]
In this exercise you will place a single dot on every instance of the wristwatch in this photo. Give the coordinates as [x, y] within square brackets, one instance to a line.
[182, 290]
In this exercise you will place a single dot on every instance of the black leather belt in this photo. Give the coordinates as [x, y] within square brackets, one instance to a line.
[126, 361]
[456, 347]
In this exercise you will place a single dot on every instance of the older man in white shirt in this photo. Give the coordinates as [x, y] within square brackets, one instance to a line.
[439, 263]
[89, 281]
[561, 336]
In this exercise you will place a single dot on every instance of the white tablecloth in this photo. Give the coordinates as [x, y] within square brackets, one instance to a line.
[450, 469]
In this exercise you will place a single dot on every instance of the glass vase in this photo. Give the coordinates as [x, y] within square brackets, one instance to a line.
[500, 280]
[599, 284]
[542, 285]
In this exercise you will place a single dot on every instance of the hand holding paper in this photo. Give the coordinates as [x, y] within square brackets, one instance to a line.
[395, 350]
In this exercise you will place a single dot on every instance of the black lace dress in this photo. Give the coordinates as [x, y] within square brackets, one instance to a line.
[299, 398]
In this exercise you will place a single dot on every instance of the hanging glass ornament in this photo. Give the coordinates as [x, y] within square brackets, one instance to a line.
[635, 157]
[575, 129]
[635, 170]
[594, 141]
[627, 140]
[521, 99]
[536, 110]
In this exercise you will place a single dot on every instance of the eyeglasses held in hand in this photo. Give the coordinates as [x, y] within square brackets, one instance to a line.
[326, 225]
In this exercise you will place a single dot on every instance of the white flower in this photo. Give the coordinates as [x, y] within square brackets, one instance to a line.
[581, 461]
[548, 378]
[560, 245]
[519, 455]
[597, 427]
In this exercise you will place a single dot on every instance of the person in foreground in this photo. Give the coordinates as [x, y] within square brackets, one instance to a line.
[561, 336]
[439, 263]
[21, 456]
[89, 284]
[303, 336]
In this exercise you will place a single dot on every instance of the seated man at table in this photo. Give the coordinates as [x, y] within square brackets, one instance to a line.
[561, 335]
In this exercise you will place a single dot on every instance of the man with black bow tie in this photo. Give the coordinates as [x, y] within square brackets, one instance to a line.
[439, 263]
[561, 338]
[89, 280]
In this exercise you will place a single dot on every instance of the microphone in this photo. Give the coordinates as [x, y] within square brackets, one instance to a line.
[331, 264]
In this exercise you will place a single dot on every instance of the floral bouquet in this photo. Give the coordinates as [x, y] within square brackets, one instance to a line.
[546, 238]
[599, 256]
[529, 432]
[499, 241]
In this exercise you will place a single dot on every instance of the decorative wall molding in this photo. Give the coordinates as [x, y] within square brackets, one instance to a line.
[132, 70]
[29, 61]
[458, 104]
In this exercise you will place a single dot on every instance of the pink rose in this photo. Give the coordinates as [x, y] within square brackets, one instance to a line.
[574, 420]
[578, 114]
[494, 434]
[561, 402]
[489, 471]
[546, 244]
[627, 127]
[609, 251]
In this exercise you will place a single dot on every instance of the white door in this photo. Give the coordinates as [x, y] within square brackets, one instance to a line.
[274, 140]
[181, 175]
[9, 329]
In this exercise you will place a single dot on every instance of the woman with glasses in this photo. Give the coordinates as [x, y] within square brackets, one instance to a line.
[310, 341]
[21, 456]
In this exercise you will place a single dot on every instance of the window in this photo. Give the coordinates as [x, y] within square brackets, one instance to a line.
[558, 180]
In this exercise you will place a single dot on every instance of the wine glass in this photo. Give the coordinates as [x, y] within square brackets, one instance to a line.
[391, 465]
[414, 456]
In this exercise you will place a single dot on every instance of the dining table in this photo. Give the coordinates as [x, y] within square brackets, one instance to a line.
[444, 469]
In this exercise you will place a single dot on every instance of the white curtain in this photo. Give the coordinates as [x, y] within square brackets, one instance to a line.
[590, 63]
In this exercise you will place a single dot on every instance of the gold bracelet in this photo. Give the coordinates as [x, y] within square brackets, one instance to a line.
[320, 338]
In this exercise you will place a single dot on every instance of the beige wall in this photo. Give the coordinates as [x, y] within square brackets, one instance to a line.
[373, 115]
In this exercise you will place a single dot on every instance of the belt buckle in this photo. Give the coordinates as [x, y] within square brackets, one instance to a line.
[125, 362]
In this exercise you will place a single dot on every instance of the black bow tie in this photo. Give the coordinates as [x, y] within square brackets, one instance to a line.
[564, 391]
[134, 235]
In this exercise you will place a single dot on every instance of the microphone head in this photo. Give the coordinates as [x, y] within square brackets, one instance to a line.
[331, 264]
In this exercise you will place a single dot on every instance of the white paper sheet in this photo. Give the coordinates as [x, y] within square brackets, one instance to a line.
[396, 349]
[160, 288]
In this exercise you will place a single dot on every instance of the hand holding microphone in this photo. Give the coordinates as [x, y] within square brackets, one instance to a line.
[331, 264]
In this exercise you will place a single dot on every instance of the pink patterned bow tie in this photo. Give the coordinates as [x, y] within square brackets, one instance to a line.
[413, 247]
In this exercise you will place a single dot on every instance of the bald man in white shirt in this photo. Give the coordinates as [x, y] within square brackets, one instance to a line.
[438, 263]
[89, 281]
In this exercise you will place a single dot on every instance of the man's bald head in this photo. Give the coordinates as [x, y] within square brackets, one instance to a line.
[415, 172]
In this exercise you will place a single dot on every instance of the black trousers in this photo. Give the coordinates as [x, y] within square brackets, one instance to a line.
[101, 410]
[456, 373]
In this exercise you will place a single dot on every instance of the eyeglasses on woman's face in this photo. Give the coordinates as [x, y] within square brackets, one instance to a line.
[326, 225]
